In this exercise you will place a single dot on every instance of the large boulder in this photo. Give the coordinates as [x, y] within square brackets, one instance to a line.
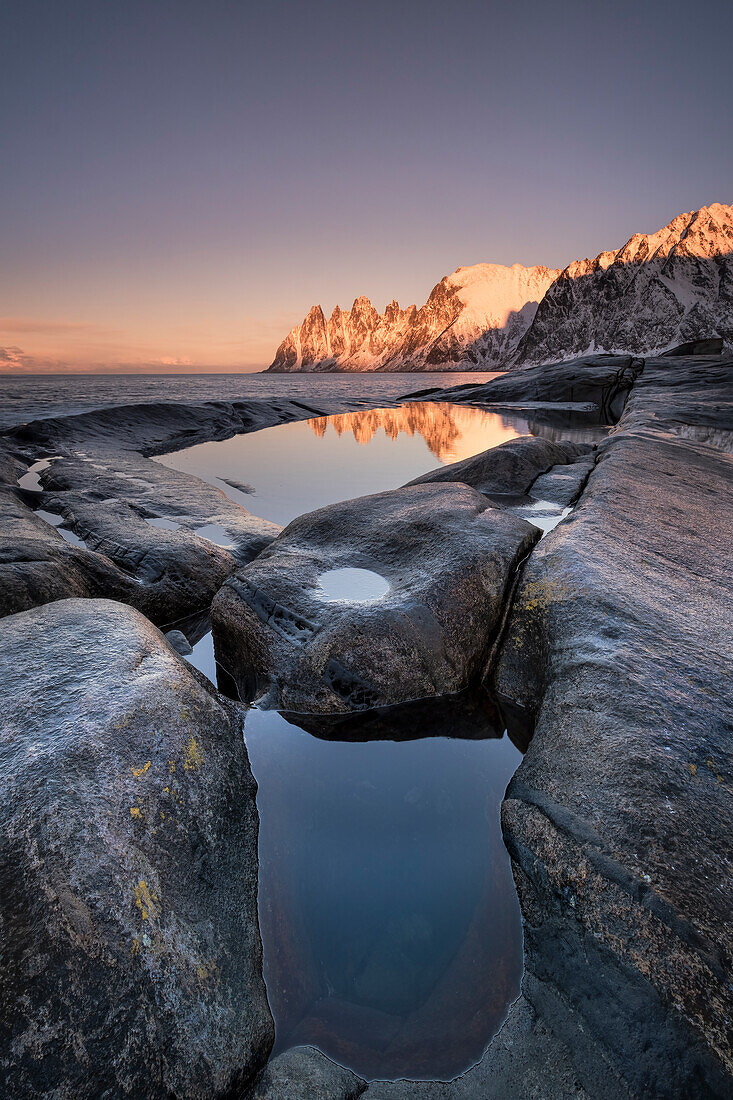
[447, 557]
[131, 955]
[510, 468]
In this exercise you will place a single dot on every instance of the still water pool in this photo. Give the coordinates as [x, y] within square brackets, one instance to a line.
[391, 929]
[390, 924]
[280, 473]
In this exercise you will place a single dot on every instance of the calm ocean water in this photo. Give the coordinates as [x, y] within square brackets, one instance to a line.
[27, 397]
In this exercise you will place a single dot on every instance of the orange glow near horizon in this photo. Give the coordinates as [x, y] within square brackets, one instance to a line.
[144, 344]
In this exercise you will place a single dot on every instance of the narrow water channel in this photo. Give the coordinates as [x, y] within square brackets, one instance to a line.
[391, 928]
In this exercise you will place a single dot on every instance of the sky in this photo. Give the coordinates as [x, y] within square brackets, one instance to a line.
[182, 180]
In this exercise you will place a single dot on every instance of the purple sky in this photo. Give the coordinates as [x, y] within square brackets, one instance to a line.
[182, 181]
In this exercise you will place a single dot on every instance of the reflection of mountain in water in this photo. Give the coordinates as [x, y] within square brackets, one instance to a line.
[451, 432]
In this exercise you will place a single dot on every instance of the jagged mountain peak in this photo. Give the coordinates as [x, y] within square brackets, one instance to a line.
[656, 290]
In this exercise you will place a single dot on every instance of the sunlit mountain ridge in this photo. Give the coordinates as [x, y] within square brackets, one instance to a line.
[657, 290]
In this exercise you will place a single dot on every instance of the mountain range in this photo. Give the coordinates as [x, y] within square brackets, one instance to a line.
[658, 290]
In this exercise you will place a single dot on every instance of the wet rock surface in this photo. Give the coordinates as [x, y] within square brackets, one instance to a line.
[305, 1072]
[131, 956]
[447, 557]
[620, 819]
[563, 484]
[175, 536]
[36, 564]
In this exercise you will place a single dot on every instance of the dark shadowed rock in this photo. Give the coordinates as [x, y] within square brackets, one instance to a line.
[175, 536]
[179, 642]
[562, 484]
[620, 819]
[131, 956]
[511, 467]
[304, 1073]
[447, 557]
[711, 346]
[155, 427]
[165, 573]
[472, 715]
[36, 564]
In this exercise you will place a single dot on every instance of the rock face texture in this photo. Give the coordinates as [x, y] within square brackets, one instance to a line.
[155, 538]
[447, 557]
[131, 956]
[472, 318]
[659, 289]
[620, 819]
[305, 1072]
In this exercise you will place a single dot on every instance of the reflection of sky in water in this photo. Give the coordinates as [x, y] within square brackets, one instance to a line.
[390, 923]
[295, 468]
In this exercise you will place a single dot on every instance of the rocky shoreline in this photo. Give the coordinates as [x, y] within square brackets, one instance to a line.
[127, 781]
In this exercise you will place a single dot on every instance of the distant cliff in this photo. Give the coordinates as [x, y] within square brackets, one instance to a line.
[658, 290]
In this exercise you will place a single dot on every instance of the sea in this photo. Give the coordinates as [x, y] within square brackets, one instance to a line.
[33, 396]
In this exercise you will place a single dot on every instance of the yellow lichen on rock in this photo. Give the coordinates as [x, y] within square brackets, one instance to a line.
[146, 901]
[193, 757]
[137, 772]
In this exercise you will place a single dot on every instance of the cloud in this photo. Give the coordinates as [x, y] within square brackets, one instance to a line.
[173, 361]
[14, 359]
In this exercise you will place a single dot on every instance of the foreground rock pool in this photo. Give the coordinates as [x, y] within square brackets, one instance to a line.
[547, 578]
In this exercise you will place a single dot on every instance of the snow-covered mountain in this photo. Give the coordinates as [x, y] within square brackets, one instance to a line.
[658, 290]
[473, 318]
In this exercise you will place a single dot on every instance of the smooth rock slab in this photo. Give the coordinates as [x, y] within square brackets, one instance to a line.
[131, 955]
[447, 556]
[619, 820]
[36, 564]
